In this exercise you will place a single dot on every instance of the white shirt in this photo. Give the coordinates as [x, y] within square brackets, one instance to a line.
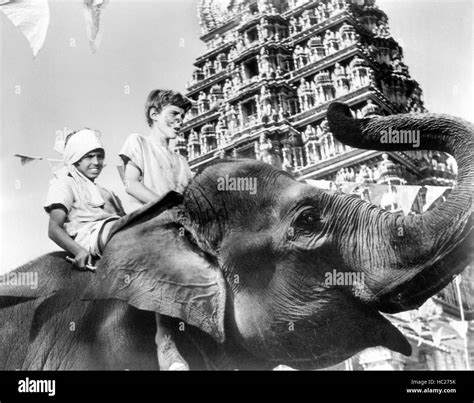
[162, 170]
[84, 220]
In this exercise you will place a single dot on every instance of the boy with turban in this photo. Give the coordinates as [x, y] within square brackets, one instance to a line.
[81, 212]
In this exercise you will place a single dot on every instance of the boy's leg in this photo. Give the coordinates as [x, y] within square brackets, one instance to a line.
[104, 232]
[169, 357]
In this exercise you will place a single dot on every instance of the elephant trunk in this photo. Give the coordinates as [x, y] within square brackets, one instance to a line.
[412, 248]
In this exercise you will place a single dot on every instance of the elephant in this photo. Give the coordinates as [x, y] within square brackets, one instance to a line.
[240, 275]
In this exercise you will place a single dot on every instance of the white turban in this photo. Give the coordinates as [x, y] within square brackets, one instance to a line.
[79, 144]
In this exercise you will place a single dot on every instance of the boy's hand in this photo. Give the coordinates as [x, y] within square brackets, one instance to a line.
[82, 259]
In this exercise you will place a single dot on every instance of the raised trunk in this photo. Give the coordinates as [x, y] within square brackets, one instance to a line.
[425, 241]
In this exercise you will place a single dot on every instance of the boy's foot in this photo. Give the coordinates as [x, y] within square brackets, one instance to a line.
[169, 357]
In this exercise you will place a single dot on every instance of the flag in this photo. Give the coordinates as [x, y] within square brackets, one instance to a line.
[460, 326]
[55, 164]
[25, 159]
[31, 17]
[437, 336]
[433, 193]
[406, 196]
[92, 10]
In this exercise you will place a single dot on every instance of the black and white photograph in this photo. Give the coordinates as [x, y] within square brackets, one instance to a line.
[237, 188]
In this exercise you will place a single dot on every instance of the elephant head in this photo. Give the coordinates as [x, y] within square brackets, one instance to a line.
[244, 253]
[267, 242]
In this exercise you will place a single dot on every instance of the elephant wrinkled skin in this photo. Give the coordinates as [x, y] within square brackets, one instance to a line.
[241, 274]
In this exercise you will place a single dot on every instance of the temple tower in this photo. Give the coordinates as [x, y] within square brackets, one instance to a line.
[271, 69]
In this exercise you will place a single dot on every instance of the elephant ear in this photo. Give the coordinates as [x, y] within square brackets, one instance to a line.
[152, 262]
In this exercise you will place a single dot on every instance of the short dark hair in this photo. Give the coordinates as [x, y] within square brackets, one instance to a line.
[158, 99]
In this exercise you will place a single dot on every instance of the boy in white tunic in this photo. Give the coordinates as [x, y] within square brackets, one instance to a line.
[152, 169]
[81, 212]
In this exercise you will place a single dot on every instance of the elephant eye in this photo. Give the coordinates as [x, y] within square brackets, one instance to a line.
[307, 219]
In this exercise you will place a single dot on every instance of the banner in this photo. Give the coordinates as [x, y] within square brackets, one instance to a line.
[406, 198]
[31, 17]
[92, 10]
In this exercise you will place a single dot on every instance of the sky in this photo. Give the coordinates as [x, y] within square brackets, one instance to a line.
[152, 44]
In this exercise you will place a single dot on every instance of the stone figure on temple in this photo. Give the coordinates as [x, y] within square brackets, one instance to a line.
[221, 61]
[294, 26]
[341, 80]
[203, 102]
[371, 109]
[194, 146]
[264, 62]
[305, 95]
[240, 44]
[265, 100]
[309, 134]
[339, 5]
[306, 19]
[231, 117]
[323, 11]
[208, 69]
[237, 79]
[296, 56]
[266, 152]
[217, 95]
[265, 29]
[364, 175]
[222, 132]
[227, 88]
[281, 114]
[218, 40]
[264, 6]
[287, 162]
[330, 42]
[340, 176]
[273, 114]
[311, 145]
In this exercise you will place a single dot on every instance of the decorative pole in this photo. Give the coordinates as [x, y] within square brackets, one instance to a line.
[457, 282]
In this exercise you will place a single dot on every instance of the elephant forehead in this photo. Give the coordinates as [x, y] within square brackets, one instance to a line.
[295, 193]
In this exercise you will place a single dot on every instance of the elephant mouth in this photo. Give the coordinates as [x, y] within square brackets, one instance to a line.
[334, 332]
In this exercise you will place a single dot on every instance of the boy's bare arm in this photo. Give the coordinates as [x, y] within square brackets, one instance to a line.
[135, 188]
[57, 233]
